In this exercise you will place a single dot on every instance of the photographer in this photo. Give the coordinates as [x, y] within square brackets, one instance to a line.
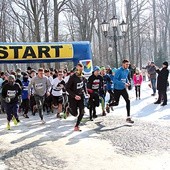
[152, 76]
[162, 83]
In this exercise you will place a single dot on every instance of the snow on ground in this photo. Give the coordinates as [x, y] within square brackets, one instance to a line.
[145, 107]
[84, 150]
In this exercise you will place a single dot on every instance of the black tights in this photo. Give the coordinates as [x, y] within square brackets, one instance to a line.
[137, 89]
[73, 107]
[111, 96]
[124, 94]
[25, 105]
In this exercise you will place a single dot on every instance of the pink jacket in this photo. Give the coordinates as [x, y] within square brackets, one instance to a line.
[137, 79]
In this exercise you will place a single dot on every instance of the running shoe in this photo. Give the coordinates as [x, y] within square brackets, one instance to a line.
[8, 126]
[25, 115]
[129, 120]
[65, 115]
[104, 113]
[76, 128]
[58, 116]
[107, 108]
[43, 121]
[14, 120]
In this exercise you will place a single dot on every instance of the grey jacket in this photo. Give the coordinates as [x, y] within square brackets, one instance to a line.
[40, 85]
[152, 72]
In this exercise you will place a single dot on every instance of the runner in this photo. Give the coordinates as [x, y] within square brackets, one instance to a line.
[25, 100]
[76, 90]
[121, 84]
[10, 94]
[41, 86]
[57, 98]
[94, 86]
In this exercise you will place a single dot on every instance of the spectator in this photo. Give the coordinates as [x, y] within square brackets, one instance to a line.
[162, 83]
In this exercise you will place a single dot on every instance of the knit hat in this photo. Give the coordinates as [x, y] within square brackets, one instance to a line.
[96, 68]
[165, 63]
[108, 67]
[114, 70]
[11, 77]
[102, 68]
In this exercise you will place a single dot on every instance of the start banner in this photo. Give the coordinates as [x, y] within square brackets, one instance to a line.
[33, 52]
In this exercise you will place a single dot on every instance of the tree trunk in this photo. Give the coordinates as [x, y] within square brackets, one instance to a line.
[46, 20]
[155, 30]
[56, 22]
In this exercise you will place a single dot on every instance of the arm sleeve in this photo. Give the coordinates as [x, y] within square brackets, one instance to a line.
[158, 71]
[85, 86]
[89, 83]
[19, 90]
[30, 86]
[4, 92]
[117, 79]
[48, 85]
[69, 86]
[134, 79]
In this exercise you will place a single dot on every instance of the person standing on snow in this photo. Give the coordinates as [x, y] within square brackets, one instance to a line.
[137, 80]
[162, 80]
[152, 76]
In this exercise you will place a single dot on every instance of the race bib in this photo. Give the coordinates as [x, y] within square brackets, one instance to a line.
[95, 84]
[39, 86]
[11, 93]
[25, 88]
[123, 80]
[79, 85]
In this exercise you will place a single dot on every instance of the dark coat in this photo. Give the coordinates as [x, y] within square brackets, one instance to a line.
[162, 79]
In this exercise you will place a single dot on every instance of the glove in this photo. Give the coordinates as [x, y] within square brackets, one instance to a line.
[7, 99]
[90, 91]
[19, 100]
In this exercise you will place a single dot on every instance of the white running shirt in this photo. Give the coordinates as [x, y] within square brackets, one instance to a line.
[56, 89]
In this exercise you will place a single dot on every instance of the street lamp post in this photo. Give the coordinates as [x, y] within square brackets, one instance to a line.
[114, 24]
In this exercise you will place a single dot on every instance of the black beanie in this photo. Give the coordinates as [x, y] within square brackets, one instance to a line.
[165, 63]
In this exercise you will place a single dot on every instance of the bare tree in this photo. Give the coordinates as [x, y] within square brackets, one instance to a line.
[59, 6]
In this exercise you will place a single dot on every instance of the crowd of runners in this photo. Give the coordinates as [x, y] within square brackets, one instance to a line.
[69, 92]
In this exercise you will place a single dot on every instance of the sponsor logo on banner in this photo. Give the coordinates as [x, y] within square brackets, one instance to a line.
[87, 66]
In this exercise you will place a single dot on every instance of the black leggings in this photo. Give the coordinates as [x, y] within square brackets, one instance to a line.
[111, 96]
[137, 89]
[93, 103]
[25, 105]
[74, 105]
[124, 94]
